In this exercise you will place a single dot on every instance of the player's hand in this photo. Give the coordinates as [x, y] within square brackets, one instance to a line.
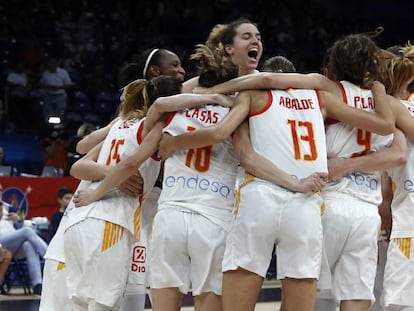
[166, 146]
[84, 197]
[336, 166]
[201, 90]
[133, 186]
[384, 210]
[225, 100]
[313, 183]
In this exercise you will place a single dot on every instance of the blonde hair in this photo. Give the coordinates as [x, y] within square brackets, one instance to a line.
[400, 69]
[136, 100]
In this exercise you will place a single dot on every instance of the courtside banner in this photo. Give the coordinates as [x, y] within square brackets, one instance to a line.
[35, 196]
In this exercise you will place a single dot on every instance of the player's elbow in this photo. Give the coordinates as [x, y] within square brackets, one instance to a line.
[246, 161]
[400, 158]
[267, 80]
[81, 147]
[219, 135]
[160, 103]
[387, 128]
[129, 165]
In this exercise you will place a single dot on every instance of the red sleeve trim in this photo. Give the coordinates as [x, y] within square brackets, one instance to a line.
[341, 87]
[140, 139]
[267, 106]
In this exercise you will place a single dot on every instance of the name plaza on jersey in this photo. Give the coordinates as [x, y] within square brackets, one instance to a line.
[364, 103]
[295, 103]
[197, 183]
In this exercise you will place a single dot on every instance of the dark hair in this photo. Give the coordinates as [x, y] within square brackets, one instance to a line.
[141, 93]
[163, 86]
[63, 191]
[127, 74]
[356, 58]
[223, 34]
[147, 58]
[278, 64]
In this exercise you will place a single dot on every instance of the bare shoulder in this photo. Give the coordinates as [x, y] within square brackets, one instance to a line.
[189, 85]
[258, 99]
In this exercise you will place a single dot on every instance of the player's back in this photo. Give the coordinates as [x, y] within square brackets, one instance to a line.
[290, 132]
[346, 141]
[201, 178]
[403, 188]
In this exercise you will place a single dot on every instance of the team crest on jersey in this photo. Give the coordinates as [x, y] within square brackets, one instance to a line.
[17, 200]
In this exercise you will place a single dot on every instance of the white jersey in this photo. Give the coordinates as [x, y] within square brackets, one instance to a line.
[290, 132]
[345, 141]
[201, 179]
[116, 207]
[402, 205]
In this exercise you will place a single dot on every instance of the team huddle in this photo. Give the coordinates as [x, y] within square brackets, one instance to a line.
[193, 184]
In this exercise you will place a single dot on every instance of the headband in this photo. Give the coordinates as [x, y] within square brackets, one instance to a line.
[150, 55]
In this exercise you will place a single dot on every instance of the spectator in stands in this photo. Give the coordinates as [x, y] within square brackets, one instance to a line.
[17, 91]
[54, 81]
[64, 195]
[56, 149]
[5, 258]
[6, 124]
[23, 242]
[1, 156]
[72, 156]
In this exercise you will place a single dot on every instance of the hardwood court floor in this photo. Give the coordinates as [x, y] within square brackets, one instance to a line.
[269, 300]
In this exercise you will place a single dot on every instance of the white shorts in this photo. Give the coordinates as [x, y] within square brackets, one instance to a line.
[140, 265]
[398, 288]
[268, 215]
[54, 292]
[97, 260]
[350, 230]
[186, 252]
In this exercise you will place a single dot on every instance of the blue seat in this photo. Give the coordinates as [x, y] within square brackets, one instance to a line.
[17, 275]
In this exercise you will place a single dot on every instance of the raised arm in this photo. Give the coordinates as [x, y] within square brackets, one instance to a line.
[404, 119]
[382, 121]
[261, 167]
[94, 138]
[180, 102]
[386, 158]
[268, 80]
[209, 135]
[124, 169]
[86, 168]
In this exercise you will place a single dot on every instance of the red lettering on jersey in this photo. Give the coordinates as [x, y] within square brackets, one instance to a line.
[364, 103]
[295, 103]
[127, 124]
[205, 116]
